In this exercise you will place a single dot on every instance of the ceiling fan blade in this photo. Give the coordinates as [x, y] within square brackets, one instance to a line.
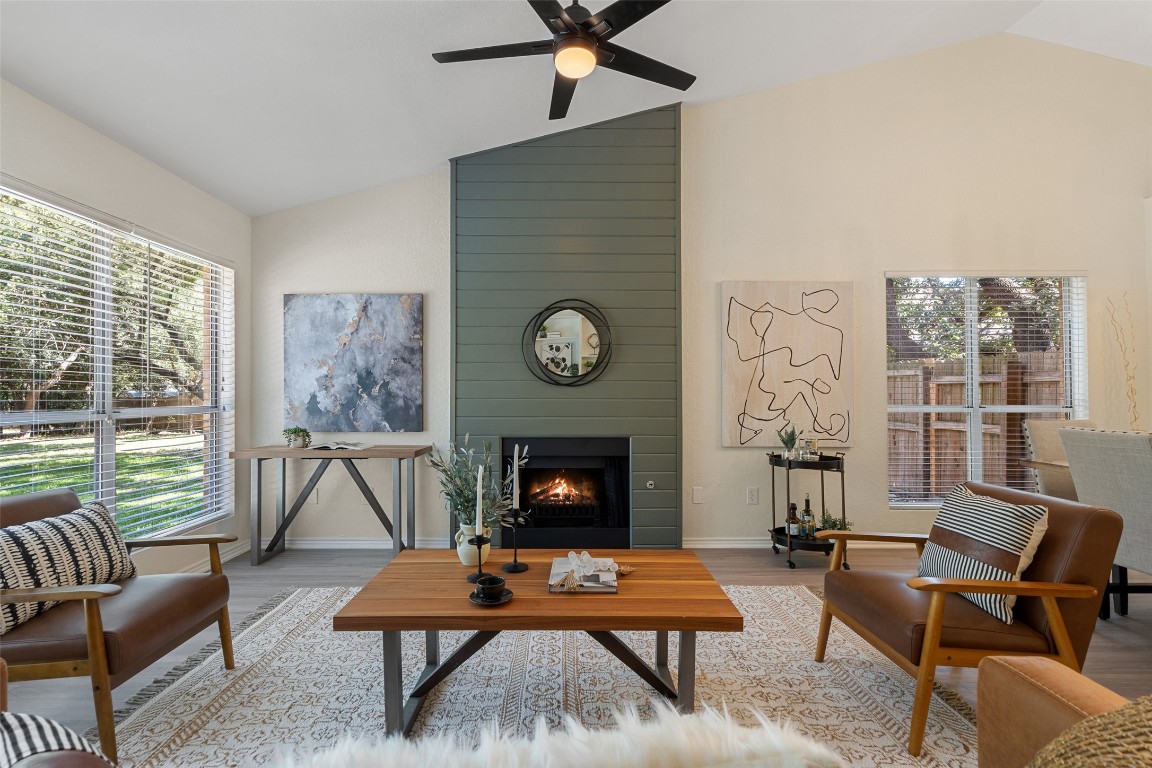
[621, 15]
[562, 90]
[632, 63]
[553, 16]
[495, 52]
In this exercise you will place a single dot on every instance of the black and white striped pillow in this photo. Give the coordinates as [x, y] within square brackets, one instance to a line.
[978, 537]
[81, 547]
[22, 736]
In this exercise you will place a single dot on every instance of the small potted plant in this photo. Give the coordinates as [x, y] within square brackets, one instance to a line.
[543, 332]
[788, 438]
[297, 437]
[832, 523]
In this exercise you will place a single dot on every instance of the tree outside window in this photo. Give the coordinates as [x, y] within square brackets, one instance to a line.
[969, 359]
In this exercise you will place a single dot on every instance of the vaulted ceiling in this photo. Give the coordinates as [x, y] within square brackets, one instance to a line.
[268, 104]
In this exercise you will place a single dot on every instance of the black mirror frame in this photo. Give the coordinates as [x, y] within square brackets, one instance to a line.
[545, 374]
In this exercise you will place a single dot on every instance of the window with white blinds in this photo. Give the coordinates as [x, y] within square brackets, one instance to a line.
[116, 369]
[969, 360]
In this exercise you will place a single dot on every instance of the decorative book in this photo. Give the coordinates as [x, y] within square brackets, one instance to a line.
[582, 573]
[337, 445]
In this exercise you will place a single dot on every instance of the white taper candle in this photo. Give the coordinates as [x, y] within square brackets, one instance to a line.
[480, 501]
[516, 478]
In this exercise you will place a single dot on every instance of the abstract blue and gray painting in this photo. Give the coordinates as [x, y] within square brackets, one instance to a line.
[354, 362]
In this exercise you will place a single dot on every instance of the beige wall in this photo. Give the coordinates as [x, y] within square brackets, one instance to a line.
[390, 239]
[42, 146]
[999, 155]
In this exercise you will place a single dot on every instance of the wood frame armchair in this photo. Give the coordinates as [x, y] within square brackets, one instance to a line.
[923, 623]
[110, 632]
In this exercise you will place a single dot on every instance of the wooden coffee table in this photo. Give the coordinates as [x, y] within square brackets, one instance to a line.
[427, 590]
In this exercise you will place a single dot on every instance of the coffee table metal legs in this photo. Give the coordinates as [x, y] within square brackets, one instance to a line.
[393, 684]
[399, 716]
[686, 672]
[654, 678]
[685, 691]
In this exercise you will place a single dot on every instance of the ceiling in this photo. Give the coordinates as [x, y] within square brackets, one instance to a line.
[267, 104]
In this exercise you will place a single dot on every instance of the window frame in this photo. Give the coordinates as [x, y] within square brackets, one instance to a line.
[1075, 368]
[104, 416]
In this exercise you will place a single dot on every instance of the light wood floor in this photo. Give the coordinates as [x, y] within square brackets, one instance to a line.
[1120, 656]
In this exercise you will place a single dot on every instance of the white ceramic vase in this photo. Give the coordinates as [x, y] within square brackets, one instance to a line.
[467, 552]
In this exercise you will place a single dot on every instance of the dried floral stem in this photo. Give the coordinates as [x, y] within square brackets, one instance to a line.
[1126, 341]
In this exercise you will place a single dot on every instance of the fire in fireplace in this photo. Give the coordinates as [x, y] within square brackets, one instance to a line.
[574, 495]
[575, 492]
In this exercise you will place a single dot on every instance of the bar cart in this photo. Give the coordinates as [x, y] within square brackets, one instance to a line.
[781, 537]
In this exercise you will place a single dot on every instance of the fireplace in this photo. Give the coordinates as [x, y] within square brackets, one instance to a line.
[575, 491]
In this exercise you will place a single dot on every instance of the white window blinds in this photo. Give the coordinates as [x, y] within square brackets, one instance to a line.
[116, 369]
[969, 359]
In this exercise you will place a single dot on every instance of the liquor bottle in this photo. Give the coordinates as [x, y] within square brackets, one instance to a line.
[793, 522]
[807, 520]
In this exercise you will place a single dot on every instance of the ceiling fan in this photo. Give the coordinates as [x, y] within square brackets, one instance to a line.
[579, 43]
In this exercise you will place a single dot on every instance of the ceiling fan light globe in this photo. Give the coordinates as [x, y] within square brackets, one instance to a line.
[575, 59]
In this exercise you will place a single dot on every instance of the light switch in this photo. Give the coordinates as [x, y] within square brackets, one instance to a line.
[697, 494]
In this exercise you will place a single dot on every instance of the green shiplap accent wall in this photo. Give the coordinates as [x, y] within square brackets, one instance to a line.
[590, 214]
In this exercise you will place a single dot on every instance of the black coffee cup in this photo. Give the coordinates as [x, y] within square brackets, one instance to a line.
[490, 587]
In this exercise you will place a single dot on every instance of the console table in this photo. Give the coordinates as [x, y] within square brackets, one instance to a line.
[398, 454]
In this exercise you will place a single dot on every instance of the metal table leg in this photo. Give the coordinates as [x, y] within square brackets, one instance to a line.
[254, 506]
[257, 553]
[686, 672]
[393, 683]
[397, 543]
[411, 502]
[400, 715]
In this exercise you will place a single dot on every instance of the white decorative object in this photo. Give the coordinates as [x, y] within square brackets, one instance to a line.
[516, 477]
[582, 573]
[586, 565]
[480, 498]
[467, 552]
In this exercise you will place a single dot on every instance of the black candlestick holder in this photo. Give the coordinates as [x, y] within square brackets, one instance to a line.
[515, 566]
[479, 540]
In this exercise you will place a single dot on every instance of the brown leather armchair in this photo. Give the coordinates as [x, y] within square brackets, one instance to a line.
[922, 623]
[110, 632]
[1024, 703]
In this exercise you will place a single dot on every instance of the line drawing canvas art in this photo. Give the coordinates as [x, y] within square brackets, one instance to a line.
[787, 362]
[354, 362]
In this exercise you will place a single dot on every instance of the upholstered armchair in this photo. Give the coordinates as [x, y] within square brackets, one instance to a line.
[106, 631]
[924, 622]
[1114, 469]
[1049, 463]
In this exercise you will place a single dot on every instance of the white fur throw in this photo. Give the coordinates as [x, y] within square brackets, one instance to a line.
[708, 738]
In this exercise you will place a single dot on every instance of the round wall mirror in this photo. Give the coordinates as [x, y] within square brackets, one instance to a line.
[568, 343]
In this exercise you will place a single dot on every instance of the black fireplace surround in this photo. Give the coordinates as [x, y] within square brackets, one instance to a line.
[574, 491]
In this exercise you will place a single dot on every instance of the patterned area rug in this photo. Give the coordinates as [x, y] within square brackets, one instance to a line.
[300, 685]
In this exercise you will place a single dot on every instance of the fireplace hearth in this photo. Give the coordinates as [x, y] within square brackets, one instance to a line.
[574, 491]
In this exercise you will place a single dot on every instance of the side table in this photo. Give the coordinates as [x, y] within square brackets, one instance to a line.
[780, 535]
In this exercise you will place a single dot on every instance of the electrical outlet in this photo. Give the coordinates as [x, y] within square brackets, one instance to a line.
[753, 496]
[697, 494]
